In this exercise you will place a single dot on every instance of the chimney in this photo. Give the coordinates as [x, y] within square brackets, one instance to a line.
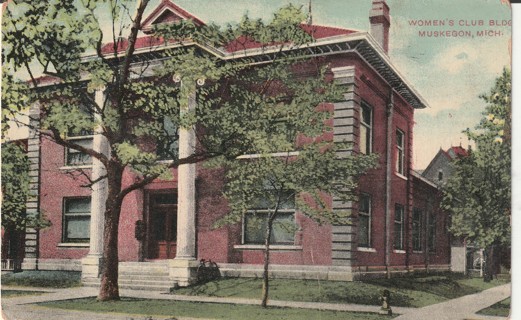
[380, 23]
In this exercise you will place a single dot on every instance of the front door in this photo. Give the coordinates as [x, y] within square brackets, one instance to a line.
[162, 221]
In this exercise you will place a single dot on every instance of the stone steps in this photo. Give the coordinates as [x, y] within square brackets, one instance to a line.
[152, 276]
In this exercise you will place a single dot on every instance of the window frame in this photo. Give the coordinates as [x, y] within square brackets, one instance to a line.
[368, 215]
[417, 226]
[84, 135]
[401, 223]
[368, 143]
[70, 151]
[432, 227]
[400, 152]
[67, 215]
[264, 212]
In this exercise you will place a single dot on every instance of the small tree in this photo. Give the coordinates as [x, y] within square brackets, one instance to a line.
[478, 193]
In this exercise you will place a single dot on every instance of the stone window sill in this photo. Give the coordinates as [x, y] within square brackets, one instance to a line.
[73, 245]
[401, 176]
[67, 168]
[272, 247]
[364, 249]
[399, 251]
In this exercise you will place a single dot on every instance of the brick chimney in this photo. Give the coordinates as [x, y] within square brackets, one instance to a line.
[380, 23]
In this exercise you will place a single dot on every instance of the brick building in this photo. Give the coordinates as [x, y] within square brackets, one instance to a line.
[166, 226]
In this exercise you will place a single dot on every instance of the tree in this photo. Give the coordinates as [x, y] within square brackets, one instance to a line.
[478, 193]
[15, 187]
[137, 107]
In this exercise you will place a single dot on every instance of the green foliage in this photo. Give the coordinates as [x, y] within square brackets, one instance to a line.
[15, 186]
[15, 98]
[478, 194]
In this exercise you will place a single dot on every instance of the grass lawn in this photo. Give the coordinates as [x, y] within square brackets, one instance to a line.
[417, 291]
[47, 279]
[500, 309]
[143, 307]
[19, 293]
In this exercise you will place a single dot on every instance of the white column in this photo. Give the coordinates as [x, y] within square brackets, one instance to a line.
[182, 268]
[91, 264]
[186, 192]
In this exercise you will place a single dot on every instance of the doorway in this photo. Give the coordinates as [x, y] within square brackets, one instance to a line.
[162, 225]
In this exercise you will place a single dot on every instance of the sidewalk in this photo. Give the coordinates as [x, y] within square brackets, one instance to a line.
[462, 308]
[23, 308]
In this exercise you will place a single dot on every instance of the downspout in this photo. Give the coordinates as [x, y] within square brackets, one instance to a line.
[388, 177]
[410, 200]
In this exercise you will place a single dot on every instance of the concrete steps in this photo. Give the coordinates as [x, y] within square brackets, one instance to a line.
[151, 276]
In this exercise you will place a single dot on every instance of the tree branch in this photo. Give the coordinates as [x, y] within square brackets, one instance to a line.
[55, 136]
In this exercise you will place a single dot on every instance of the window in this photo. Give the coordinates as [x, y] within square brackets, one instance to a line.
[365, 129]
[440, 175]
[364, 221]
[77, 158]
[400, 152]
[82, 138]
[256, 220]
[76, 219]
[168, 148]
[417, 229]
[399, 227]
[431, 238]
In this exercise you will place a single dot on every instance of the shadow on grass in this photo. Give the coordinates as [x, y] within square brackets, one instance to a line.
[407, 291]
[44, 279]
[20, 293]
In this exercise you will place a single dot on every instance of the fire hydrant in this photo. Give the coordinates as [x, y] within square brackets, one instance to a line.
[385, 299]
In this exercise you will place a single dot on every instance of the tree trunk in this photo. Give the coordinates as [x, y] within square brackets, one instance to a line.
[265, 278]
[490, 264]
[109, 288]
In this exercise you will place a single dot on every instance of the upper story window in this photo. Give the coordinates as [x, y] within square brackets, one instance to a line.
[400, 152]
[77, 158]
[256, 220]
[366, 129]
[364, 221]
[76, 219]
[440, 175]
[399, 230]
[168, 148]
[82, 138]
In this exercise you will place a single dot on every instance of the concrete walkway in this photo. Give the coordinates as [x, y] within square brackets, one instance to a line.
[462, 308]
[24, 308]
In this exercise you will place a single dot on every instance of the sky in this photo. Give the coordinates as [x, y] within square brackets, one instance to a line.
[449, 72]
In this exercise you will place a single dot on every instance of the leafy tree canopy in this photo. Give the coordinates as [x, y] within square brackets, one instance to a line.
[478, 194]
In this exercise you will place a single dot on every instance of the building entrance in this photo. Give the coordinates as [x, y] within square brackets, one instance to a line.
[162, 226]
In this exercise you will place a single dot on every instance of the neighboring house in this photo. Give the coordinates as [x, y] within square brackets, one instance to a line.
[466, 257]
[439, 168]
[397, 226]
[463, 257]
